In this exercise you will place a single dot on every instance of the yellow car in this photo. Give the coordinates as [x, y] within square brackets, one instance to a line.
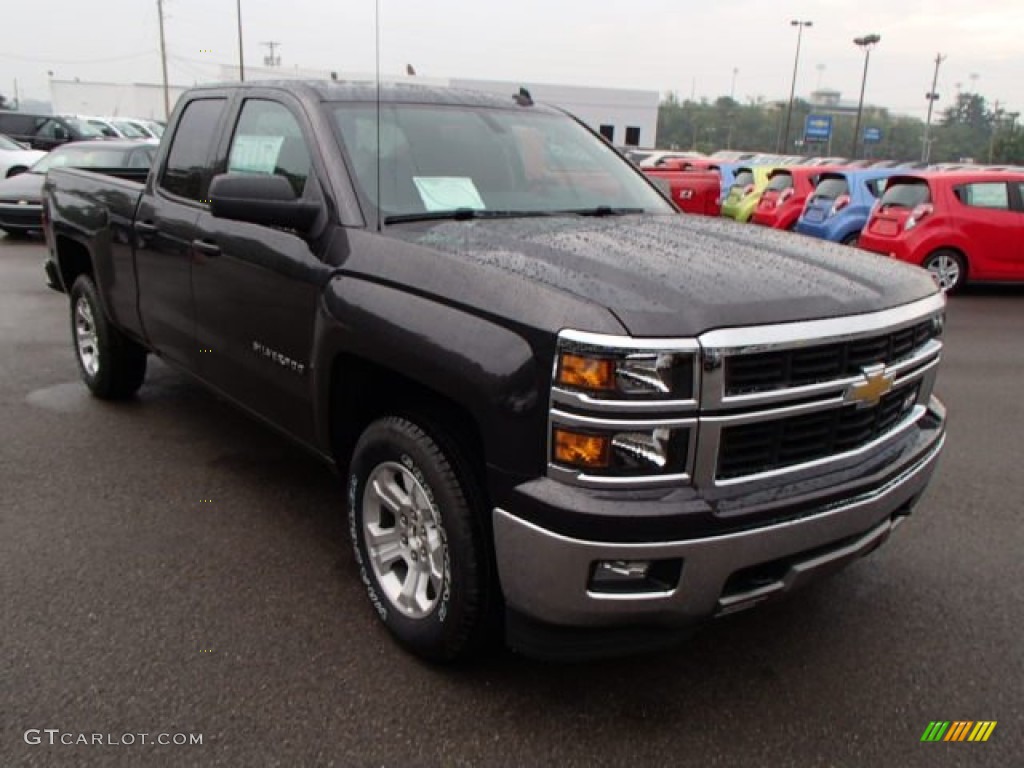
[747, 187]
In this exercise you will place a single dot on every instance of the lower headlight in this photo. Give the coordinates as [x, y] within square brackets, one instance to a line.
[623, 452]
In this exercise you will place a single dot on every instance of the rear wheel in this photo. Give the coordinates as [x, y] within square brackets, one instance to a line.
[948, 269]
[852, 239]
[112, 365]
[414, 520]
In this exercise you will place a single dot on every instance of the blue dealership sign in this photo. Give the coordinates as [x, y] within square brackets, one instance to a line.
[818, 128]
[872, 135]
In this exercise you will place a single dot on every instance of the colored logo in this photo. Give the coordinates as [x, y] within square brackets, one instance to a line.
[870, 390]
[958, 730]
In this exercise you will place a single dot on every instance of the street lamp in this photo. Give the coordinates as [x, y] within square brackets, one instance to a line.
[867, 43]
[241, 62]
[792, 89]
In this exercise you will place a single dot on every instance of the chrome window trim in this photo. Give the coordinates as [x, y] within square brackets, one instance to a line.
[805, 333]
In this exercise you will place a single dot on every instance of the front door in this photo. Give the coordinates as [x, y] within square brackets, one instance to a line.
[256, 287]
[990, 227]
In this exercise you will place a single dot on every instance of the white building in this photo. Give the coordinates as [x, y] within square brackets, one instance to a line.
[624, 116]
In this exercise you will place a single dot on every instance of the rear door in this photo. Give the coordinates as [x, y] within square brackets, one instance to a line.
[991, 226]
[256, 287]
[165, 226]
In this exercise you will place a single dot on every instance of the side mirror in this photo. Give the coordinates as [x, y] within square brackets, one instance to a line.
[260, 199]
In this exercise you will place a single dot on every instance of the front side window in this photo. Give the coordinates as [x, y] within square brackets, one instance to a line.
[437, 158]
[268, 140]
[985, 194]
[186, 173]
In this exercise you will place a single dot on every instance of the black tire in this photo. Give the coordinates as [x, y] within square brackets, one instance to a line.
[397, 449]
[119, 363]
[948, 269]
[852, 239]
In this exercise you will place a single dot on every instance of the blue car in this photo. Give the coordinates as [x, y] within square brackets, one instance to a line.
[841, 203]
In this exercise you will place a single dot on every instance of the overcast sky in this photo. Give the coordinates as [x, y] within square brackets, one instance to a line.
[680, 45]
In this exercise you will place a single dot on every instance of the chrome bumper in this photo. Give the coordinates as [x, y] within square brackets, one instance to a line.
[545, 576]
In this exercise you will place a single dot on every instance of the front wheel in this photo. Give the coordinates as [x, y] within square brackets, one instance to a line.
[111, 365]
[948, 270]
[414, 523]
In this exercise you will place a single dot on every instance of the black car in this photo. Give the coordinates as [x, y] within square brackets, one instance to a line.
[46, 131]
[21, 195]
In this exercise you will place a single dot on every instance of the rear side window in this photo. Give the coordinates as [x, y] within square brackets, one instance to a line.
[906, 194]
[268, 140]
[780, 182]
[986, 194]
[186, 173]
[832, 187]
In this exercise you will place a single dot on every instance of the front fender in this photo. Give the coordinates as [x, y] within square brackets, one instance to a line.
[496, 373]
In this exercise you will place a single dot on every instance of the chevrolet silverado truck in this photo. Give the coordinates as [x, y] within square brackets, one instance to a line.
[568, 415]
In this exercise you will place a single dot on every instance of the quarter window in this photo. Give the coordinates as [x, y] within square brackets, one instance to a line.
[268, 140]
[187, 173]
[986, 194]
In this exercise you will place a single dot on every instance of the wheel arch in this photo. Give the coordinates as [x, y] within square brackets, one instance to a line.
[73, 259]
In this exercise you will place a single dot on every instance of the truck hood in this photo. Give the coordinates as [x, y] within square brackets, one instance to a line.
[681, 275]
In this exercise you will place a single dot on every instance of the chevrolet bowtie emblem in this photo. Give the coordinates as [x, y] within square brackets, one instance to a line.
[875, 384]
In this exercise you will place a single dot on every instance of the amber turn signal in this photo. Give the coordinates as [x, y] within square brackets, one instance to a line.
[586, 372]
[579, 450]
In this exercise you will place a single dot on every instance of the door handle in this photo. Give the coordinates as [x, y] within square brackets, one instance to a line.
[145, 227]
[206, 247]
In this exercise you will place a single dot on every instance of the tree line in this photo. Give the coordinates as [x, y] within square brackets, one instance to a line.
[969, 129]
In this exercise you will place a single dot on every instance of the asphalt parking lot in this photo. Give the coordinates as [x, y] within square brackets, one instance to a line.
[170, 566]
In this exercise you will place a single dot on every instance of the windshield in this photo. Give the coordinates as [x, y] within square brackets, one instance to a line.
[84, 157]
[438, 158]
[780, 182]
[84, 128]
[831, 187]
[906, 194]
[129, 131]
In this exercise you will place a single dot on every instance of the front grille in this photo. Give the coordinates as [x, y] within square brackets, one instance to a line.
[785, 368]
[748, 449]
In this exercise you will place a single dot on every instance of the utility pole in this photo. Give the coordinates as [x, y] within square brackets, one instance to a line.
[241, 60]
[932, 97]
[271, 60]
[163, 59]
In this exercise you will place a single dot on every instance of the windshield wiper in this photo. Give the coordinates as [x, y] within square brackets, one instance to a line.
[600, 210]
[461, 214]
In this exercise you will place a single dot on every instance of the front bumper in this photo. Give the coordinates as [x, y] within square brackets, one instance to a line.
[546, 576]
[21, 217]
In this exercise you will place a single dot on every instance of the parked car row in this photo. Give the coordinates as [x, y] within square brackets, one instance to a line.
[45, 132]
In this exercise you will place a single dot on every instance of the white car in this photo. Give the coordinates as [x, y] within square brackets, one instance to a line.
[15, 158]
[151, 128]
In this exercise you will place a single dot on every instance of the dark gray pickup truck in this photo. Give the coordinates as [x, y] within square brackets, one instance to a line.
[566, 412]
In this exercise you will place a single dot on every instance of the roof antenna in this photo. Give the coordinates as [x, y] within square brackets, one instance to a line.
[376, 25]
[523, 98]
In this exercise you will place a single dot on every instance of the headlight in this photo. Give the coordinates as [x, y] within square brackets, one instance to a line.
[623, 411]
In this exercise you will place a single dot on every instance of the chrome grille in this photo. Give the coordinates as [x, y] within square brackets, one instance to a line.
[764, 446]
[786, 368]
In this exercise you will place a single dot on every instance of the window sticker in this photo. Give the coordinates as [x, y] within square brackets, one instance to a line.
[448, 193]
[255, 154]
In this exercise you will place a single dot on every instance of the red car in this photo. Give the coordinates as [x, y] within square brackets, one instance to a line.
[783, 199]
[958, 225]
[693, 191]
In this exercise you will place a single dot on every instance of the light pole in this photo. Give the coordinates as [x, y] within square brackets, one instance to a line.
[792, 89]
[163, 59]
[241, 62]
[867, 43]
[932, 97]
